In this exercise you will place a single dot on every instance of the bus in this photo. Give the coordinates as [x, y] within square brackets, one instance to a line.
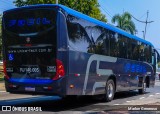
[52, 49]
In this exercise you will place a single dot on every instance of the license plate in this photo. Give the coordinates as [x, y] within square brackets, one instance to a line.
[29, 88]
[29, 70]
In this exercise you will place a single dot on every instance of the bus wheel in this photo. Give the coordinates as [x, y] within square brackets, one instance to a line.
[143, 90]
[110, 90]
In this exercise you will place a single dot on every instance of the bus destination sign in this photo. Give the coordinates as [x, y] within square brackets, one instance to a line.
[28, 22]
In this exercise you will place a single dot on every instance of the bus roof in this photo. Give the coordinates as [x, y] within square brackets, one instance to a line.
[83, 16]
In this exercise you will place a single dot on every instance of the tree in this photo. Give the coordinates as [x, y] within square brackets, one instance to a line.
[88, 7]
[124, 22]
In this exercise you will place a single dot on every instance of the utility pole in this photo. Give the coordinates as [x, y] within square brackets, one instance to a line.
[56, 1]
[146, 25]
[146, 22]
[143, 33]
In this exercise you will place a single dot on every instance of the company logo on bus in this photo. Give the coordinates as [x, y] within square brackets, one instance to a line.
[135, 68]
[28, 22]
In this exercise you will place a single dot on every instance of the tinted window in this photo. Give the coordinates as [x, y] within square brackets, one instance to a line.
[141, 51]
[107, 44]
[123, 47]
[99, 36]
[147, 53]
[129, 49]
[88, 37]
[135, 50]
[113, 44]
[78, 37]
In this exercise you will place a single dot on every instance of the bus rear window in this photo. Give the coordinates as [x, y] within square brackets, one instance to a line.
[30, 21]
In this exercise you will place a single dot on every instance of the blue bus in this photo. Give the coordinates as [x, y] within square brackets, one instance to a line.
[52, 49]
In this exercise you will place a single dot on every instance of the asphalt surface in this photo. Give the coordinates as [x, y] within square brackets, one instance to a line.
[83, 104]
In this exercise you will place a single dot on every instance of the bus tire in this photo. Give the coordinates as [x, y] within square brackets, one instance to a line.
[143, 90]
[109, 90]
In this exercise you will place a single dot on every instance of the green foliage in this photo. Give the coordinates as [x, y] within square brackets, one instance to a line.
[124, 22]
[88, 7]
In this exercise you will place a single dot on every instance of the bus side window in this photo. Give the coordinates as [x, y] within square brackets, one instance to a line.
[123, 47]
[100, 44]
[135, 50]
[129, 49]
[141, 51]
[147, 54]
[98, 37]
[78, 37]
[107, 44]
[113, 44]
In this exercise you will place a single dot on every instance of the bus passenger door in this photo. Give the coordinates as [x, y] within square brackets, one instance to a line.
[122, 82]
[122, 75]
[133, 81]
[134, 75]
[127, 82]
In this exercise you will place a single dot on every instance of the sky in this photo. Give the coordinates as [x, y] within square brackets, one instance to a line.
[138, 8]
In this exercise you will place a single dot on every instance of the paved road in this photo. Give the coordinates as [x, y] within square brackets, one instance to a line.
[87, 104]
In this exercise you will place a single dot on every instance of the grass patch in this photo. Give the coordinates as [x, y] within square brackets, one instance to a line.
[1, 76]
[1, 67]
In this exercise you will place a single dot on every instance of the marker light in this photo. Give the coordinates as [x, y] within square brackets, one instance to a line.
[71, 86]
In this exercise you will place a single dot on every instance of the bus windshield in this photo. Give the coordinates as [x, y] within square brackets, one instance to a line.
[30, 43]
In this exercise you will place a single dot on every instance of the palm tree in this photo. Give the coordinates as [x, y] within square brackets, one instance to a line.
[124, 22]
